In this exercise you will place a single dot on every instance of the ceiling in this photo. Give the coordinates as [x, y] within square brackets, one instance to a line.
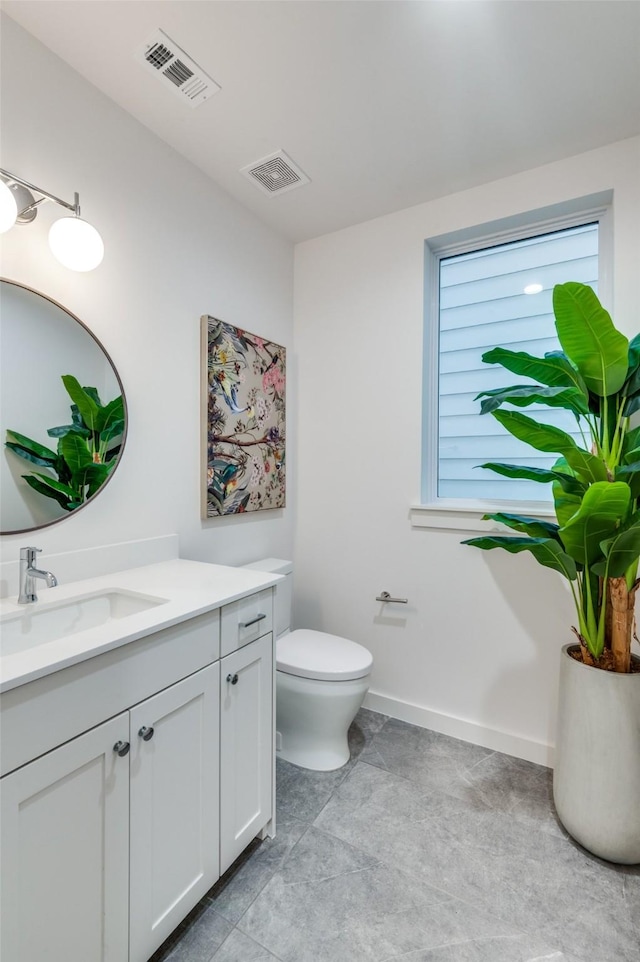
[382, 103]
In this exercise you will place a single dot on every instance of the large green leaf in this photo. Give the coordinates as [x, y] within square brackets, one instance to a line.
[47, 490]
[114, 410]
[565, 503]
[534, 527]
[522, 395]
[66, 489]
[546, 551]
[113, 454]
[621, 552]
[545, 437]
[30, 449]
[541, 475]
[589, 338]
[631, 441]
[554, 369]
[62, 429]
[29, 456]
[632, 385]
[630, 474]
[62, 469]
[114, 430]
[97, 478]
[76, 417]
[84, 402]
[75, 451]
[92, 476]
[632, 405]
[603, 511]
[93, 394]
[110, 414]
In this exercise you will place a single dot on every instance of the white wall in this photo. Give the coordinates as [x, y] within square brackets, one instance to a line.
[176, 247]
[475, 652]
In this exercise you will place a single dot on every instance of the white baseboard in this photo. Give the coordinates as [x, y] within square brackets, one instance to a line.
[460, 728]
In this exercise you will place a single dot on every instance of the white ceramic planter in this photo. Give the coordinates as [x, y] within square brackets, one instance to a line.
[596, 779]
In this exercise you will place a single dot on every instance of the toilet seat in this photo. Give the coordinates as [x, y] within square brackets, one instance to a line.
[316, 654]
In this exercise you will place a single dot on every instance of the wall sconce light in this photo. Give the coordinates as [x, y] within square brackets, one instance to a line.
[74, 242]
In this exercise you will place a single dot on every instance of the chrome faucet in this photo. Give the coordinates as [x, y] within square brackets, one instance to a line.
[28, 575]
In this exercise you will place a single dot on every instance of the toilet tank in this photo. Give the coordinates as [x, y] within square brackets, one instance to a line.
[284, 589]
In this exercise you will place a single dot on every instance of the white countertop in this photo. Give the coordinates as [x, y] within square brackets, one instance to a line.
[190, 588]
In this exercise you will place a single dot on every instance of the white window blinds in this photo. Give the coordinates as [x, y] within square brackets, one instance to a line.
[482, 304]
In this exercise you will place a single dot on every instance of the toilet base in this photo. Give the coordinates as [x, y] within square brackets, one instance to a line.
[313, 719]
[321, 761]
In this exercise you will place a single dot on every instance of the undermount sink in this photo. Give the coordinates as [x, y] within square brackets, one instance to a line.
[38, 626]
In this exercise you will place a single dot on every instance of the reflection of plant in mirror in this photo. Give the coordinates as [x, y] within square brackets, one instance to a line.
[87, 451]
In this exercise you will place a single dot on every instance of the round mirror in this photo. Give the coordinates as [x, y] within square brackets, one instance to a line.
[62, 411]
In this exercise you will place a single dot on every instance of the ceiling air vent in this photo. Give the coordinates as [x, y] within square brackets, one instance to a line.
[275, 174]
[176, 70]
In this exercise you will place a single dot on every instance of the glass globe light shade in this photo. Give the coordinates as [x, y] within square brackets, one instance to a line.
[8, 208]
[76, 244]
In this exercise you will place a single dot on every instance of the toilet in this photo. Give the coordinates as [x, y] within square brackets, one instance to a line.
[321, 681]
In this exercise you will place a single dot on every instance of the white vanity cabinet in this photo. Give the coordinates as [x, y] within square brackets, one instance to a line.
[246, 737]
[174, 816]
[135, 779]
[115, 826]
[64, 828]
[247, 725]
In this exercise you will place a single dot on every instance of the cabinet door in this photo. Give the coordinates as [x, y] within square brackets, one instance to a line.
[174, 806]
[246, 746]
[65, 852]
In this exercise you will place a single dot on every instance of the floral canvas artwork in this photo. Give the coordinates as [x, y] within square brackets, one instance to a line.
[244, 415]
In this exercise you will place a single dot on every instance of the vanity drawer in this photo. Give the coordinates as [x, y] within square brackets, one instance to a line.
[243, 621]
[44, 713]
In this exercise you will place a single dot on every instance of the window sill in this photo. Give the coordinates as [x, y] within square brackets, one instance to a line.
[467, 515]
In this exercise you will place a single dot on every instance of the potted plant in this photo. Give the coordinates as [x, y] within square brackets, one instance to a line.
[595, 544]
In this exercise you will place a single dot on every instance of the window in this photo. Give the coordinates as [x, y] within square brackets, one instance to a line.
[494, 292]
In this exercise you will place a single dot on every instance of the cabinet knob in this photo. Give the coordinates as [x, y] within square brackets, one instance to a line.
[233, 679]
[146, 734]
[121, 748]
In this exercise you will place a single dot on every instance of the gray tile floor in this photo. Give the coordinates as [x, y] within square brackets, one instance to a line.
[422, 848]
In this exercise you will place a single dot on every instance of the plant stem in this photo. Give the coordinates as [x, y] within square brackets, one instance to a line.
[622, 613]
[618, 438]
[605, 429]
[584, 440]
[581, 607]
[591, 621]
[602, 616]
[595, 439]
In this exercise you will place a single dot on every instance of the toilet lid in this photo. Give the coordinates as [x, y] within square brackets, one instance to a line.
[315, 654]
